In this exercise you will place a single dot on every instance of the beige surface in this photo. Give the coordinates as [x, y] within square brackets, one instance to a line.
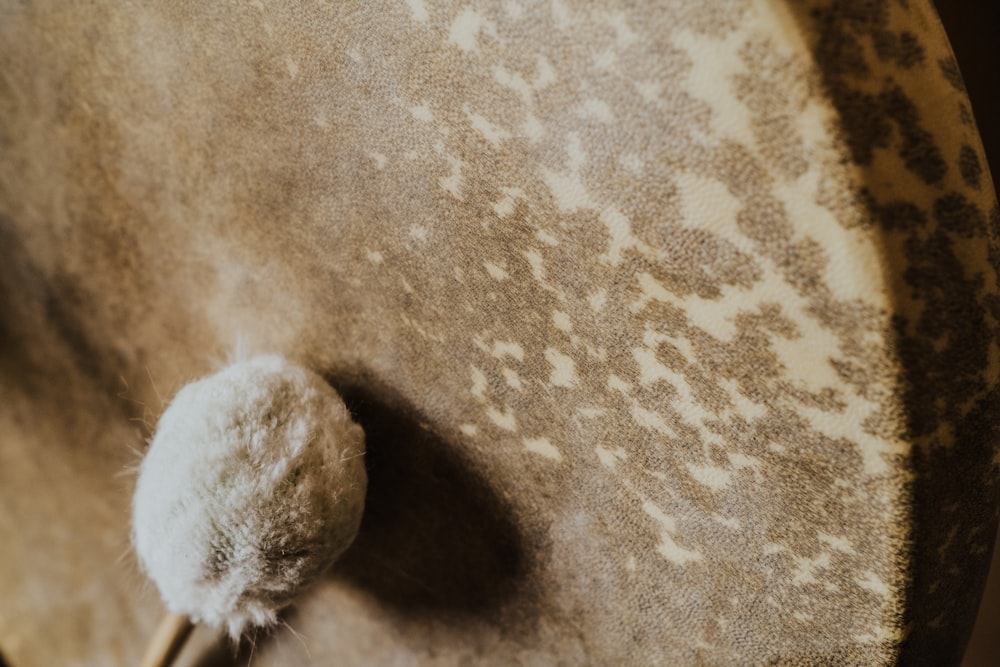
[672, 329]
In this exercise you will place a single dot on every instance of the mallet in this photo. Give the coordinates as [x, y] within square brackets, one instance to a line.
[253, 485]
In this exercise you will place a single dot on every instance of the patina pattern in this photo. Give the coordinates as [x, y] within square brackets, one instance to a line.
[703, 295]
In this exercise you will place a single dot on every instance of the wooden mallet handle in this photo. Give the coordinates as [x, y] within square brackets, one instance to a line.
[167, 642]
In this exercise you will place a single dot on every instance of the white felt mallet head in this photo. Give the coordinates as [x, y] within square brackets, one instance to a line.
[253, 485]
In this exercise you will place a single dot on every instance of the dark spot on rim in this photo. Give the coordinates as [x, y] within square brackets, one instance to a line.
[969, 166]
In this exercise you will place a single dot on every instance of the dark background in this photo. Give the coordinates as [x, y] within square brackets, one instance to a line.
[973, 26]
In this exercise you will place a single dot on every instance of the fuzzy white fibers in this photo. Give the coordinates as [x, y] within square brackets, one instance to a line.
[253, 485]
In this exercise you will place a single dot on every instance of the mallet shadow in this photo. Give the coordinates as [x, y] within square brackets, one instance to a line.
[436, 535]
